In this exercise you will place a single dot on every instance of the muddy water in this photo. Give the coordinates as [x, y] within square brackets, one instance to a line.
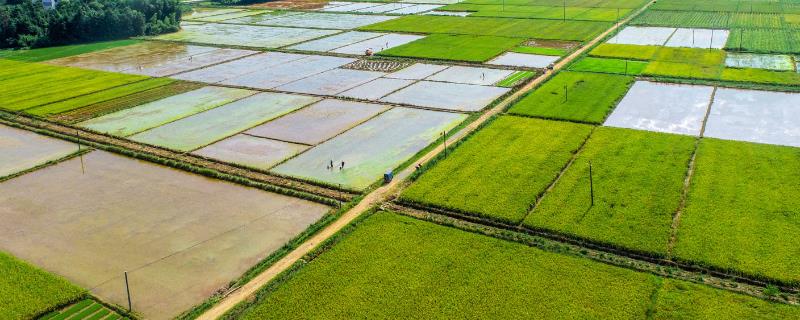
[21, 150]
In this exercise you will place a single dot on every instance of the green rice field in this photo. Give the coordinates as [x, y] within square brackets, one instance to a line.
[603, 65]
[455, 47]
[44, 54]
[28, 292]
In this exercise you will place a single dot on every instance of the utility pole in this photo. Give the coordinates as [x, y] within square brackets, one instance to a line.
[591, 183]
[128, 290]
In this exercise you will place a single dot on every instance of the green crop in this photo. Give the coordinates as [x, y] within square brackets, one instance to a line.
[27, 291]
[455, 47]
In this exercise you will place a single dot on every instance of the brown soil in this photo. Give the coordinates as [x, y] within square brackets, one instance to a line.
[291, 4]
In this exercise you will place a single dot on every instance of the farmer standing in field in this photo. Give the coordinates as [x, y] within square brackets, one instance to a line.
[342, 166]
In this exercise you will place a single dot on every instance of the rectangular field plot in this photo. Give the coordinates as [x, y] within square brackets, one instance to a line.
[376, 89]
[643, 36]
[377, 44]
[99, 97]
[755, 116]
[28, 292]
[318, 122]
[471, 75]
[455, 47]
[237, 68]
[603, 65]
[21, 150]
[417, 71]
[336, 41]
[760, 61]
[197, 13]
[181, 237]
[661, 107]
[699, 38]
[575, 96]
[207, 127]
[151, 115]
[284, 73]
[331, 82]
[231, 15]
[383, 8]
[523, 60]
[443, 95]
[390, 263]
[350, 6]
[372, 148]
[742, 209]
[245, 35]
[500, 171]
[249, 151]
[161, 61]
[323, 20]
[638, 181]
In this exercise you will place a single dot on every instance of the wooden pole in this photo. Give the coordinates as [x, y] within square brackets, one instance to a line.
[444, 142]
[566, 93]
[626, 67]
[565, 10]
[128, 290]
[83, 169]
[591, 183]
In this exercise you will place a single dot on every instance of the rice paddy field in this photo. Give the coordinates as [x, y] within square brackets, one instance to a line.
[308, 159]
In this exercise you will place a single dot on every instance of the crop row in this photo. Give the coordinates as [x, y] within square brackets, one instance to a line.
[755, 6]
[629, 4]
[706, 19]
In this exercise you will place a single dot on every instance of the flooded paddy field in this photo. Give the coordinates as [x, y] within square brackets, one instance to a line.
[244, 35]
[180, 236]
[21, 150]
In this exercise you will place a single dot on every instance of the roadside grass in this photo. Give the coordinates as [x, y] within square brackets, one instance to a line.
[574, 96]
[540, 50]
[470, 48]
[55, 84]
[499, 172]
[760, 76]
[503, 27]
[603, 65]
[44, 54]
[125, 102]
[97, 97]
[743, 210]
[516, 78]
[397, 267]
[686, 300]
[624, 51]
[28, 292]
[638, 182]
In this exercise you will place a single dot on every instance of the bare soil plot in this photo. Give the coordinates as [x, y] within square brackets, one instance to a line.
[213, 125]
[231, 15]
[376, 89]
[377, 44]
[760, 61]
[245, 35]
[232, 69]
[21, 150]
[417, 71]
[451, 96]
[372, 148]
[207, 12]
[181, 237]
[331, 82]
[134, 58]
[350, 6]
[755, 116]
[250, 151]
[699, 38]
[523, 60]
[643, 36]
[323, 20]
[471, 75]
[662, 107]
[153, 114]
[336, 41]
[318, 122]
[284, 73]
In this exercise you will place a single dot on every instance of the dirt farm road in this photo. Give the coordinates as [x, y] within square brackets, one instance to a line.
[385, 192]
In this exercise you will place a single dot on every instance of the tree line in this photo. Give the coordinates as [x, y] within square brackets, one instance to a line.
[27, 24]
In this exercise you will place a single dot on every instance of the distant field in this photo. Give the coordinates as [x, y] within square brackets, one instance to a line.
[43, 54]
[575, 96]
[499, 172]
[455, 47]
[602, 65]
[396, 267]
[638, 181]
[505, 27]
[539, 12]
[28, 292]
[742, 209]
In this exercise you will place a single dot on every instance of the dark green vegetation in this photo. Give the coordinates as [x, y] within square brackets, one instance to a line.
[575, 96]
[84, 310]
[396, 267]
[500, 171]
[455, 47]
[540, 11]
[638, 181]
[27, 292]
[97, 97]
[44, 54]
[540, 50]
[26, 85]
[26, 23]
[503, 27]
[624, 51]
[743, 209]
[603, 65]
